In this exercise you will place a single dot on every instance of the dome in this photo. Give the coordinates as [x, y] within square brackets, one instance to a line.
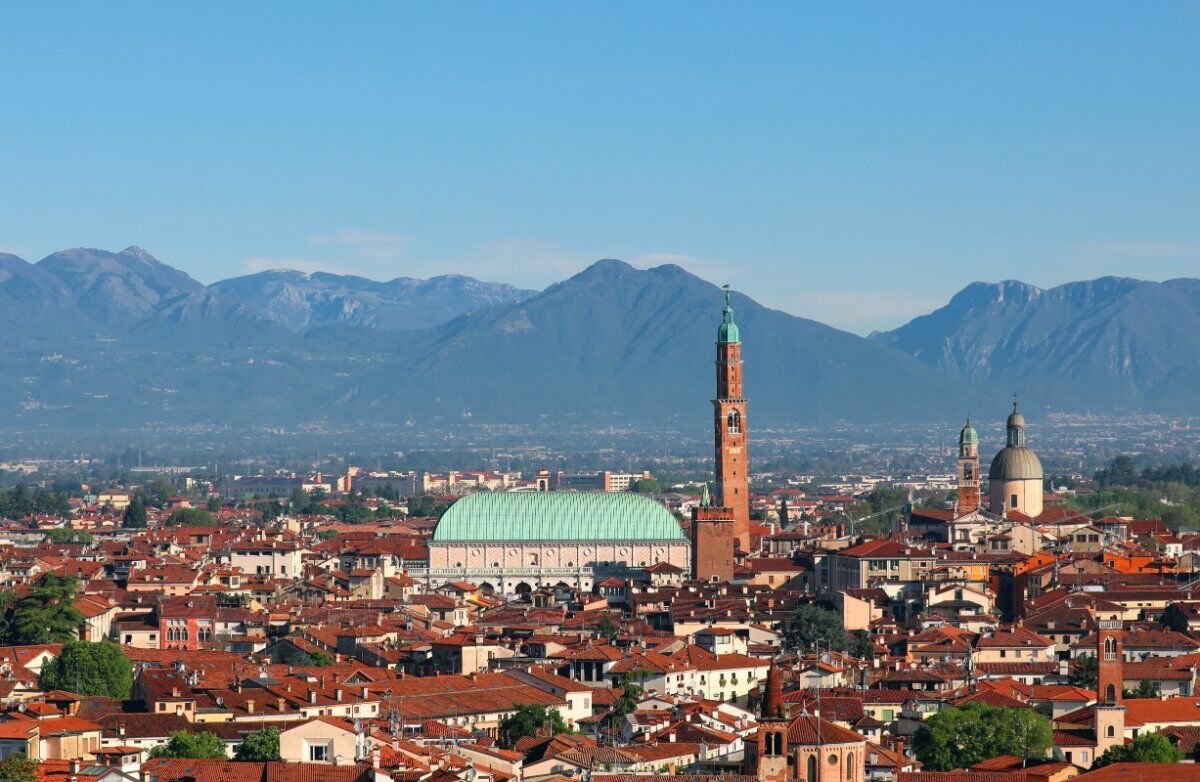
[968, 435]
[556, 516]
[1015, 418]
[1015, 463]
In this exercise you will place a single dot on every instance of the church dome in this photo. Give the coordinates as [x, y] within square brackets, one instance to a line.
[1015, 463]
[968, 435]
[727, 333]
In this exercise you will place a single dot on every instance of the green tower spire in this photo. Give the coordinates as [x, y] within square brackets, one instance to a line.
[728, 332]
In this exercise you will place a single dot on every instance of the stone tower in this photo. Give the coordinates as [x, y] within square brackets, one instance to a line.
[729, 410]
[968, 470]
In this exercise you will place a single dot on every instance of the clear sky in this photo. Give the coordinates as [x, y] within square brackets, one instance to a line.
[856, 163]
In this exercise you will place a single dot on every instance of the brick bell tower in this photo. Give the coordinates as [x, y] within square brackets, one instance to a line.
[968, 470]
[1110, 676]
[729, 409]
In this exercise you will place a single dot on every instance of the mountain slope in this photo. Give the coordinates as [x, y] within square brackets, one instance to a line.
[303, 302]
[117, 287]
[1106, 342]
[619, 344]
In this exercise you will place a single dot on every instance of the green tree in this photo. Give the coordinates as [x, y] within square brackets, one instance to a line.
[861, 645]
[1085, 672]
[19, 768]
[527, 720]
[135, 515]
[1146, 748]
[299, 500]
[191, 745]
[88, 668]
[1145, 689]
[607, 627]
[191, 517]
[961, 736]
[260, 746]
[815, 626]
[1119, 472]
[646, 486]
[159, 490]
[319, 659]
[67, 535]
[48, 613]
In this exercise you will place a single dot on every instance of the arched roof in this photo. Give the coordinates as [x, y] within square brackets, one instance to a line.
[556, 516]
[1015, 463]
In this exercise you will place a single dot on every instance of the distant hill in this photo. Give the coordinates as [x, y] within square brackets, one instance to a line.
[614, 343]
[302, 302]
[103, 341]
[1103, 344]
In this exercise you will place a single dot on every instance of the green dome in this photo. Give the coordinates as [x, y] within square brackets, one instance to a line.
[556, 516]
[968, 435]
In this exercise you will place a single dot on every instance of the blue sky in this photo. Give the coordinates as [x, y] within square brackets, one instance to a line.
[852, 162]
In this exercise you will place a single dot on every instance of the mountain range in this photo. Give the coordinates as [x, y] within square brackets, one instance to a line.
[102, 341]
[1108, 343]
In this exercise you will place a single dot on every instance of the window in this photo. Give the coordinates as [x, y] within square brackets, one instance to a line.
[1111, 731]
[1110, 694]
[318, 753]
[849, 767]
[812, 768]
[1014, 501]
[733, 423]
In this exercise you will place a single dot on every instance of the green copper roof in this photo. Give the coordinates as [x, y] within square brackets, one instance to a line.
[727, 333]
[556, 516]
[968, 435]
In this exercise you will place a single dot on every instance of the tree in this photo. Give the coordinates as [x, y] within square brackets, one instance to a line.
[48, 613]
[1146, 748]
[646, 486]
[191, 745]
[862, 646]
[527, 720]
[1085, 672]
[88, 668]
[260, 746]
[812, 626]
[19, 768]
[1145, 689]
[135, 515]
[191, 517]
[319, 659]
[607, 627]
[961, 736]
[66, 535]
[1119, 472]
[783, 514]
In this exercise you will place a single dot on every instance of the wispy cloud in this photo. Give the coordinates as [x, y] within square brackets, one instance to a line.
[1151, 249]
[368, 245]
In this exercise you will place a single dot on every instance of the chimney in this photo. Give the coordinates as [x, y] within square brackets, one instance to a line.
[250, 706]
[337, 694]
[899, 753]
[312, 696]
[279, 704]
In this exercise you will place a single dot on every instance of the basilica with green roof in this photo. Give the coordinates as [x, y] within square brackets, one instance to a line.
[514, 542]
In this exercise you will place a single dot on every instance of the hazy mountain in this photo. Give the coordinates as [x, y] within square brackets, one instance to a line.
[619, 344]
[117, 287]
[1103, 343]
[97, 342]
[613, 344]
[302, 302]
